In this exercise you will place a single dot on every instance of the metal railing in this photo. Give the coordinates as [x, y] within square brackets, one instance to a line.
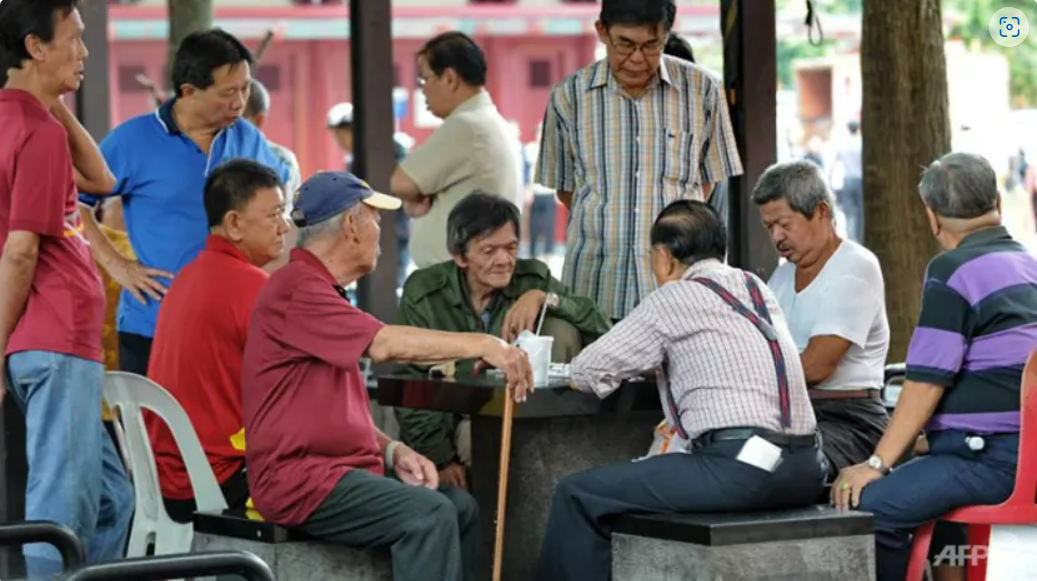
[160, 568]
[38, 531]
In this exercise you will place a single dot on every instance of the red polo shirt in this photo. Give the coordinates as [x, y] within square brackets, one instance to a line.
[307, 414]
[196, 355]
[65, 309]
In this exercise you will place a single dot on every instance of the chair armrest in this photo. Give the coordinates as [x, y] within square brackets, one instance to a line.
[895, 371]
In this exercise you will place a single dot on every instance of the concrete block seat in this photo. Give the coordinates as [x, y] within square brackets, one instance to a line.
[291, 554]
[816, 543]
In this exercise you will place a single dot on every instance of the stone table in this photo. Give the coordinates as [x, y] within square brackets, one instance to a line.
[556, 432]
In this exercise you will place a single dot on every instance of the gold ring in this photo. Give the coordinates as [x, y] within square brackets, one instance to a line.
[843, 486]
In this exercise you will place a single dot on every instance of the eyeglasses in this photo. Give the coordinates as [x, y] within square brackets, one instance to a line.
[625, 48]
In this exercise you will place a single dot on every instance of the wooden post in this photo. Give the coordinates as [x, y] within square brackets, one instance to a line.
[370, 29]
[751, 81]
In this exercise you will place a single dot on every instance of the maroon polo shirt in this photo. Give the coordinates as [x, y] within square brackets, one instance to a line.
[306, 411]
[65, 309]
[197, 355]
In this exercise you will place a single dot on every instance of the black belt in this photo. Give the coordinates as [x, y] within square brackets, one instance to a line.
[780, 440]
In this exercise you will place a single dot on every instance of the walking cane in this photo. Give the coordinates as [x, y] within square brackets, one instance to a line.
[502, 483]
[502, 476]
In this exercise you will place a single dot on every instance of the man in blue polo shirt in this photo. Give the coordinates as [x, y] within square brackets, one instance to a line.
[160, 161]
[977, 327]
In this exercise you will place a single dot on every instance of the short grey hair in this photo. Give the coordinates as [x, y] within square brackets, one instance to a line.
[258, 99]
[959, 185]
[799, 183]
[316, 232]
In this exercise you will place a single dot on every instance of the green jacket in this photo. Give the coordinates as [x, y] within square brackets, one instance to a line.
[437, 298]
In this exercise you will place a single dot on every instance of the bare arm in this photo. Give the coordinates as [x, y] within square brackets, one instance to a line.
[128, 273]
[916, 405]
[100, 246]
[17, 266]
[403, 187]
[399, 344]
[566, 198]
[92, 173]
[822, 356]
[412, 345]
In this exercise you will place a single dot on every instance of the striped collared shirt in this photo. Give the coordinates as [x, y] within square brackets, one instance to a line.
[625, 159]
[976, 330]
[715, 362]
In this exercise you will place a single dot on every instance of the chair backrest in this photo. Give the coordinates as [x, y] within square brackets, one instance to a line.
[1026, 472]
[130, 394]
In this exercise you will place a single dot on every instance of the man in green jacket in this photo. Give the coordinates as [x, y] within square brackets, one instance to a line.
[486, 288]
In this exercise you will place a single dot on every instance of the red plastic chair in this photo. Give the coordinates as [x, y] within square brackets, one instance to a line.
[1019, 509]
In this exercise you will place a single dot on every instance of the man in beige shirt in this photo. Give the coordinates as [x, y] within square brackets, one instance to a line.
[474, 148]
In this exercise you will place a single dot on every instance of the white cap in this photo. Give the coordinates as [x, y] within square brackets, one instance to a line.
[341, 114]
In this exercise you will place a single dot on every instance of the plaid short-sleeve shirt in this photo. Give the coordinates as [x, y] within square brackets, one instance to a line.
[625, 159]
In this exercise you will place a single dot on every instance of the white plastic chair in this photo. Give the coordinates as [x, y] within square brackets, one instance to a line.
[128, 394]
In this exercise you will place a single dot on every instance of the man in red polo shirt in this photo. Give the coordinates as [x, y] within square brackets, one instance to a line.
[51, 299]
[316, 460]
[200, 337]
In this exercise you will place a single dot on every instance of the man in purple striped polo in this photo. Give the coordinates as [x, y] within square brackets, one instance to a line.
[977, 328]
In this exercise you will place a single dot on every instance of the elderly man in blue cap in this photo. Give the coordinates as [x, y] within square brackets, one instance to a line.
[316, 461]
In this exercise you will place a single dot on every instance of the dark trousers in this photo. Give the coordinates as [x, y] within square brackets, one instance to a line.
[134, 353]
[577, 543]
[926, 488]
[431, 534]
[542, 224]
[235, 491]
[850, 430]
[851, 202]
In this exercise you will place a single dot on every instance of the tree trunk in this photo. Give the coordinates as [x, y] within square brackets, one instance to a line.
[904, 126]
[185, 17]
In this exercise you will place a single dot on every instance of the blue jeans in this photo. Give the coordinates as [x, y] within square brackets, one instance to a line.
[928, 487]
[76, 478]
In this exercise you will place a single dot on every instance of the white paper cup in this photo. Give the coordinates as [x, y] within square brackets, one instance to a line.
[539, 350]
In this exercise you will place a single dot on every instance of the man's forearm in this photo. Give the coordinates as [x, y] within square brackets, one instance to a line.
[17, 273]
[86, 156]
[915, 406]
[409, 344]
[101, 247]
[383, 439]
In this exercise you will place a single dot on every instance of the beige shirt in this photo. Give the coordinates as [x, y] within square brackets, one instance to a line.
[474, 149]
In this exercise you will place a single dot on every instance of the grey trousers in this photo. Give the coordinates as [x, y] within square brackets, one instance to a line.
[431, 534]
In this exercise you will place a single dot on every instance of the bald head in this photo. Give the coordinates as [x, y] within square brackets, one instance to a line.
[690, 231]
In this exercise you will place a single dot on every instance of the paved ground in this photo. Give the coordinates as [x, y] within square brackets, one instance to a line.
[1013, 554]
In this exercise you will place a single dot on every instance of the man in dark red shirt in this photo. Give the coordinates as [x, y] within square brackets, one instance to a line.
[51, 299]
[200, 337]
[315, 459]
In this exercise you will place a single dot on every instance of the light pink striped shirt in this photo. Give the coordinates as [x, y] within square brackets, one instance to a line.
[716, 362]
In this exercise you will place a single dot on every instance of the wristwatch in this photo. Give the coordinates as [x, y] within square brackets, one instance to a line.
[553, 300]
[875, 463]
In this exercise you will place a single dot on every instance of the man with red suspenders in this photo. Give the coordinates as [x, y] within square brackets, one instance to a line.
[732, 386]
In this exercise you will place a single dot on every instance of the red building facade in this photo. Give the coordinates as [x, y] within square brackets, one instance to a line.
[307, 68]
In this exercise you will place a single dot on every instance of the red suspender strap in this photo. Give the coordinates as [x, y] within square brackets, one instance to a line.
[762, 320]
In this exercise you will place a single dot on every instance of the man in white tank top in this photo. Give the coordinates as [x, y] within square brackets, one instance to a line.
[831, 292]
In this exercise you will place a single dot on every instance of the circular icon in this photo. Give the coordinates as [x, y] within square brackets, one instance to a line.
[1009, 27]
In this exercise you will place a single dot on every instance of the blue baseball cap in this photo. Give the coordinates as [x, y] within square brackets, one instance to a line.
[328, 194]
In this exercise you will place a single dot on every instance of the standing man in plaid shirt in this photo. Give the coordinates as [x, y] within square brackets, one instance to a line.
[623, 138]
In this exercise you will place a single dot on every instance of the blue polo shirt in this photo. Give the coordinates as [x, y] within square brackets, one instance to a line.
[160, 175]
